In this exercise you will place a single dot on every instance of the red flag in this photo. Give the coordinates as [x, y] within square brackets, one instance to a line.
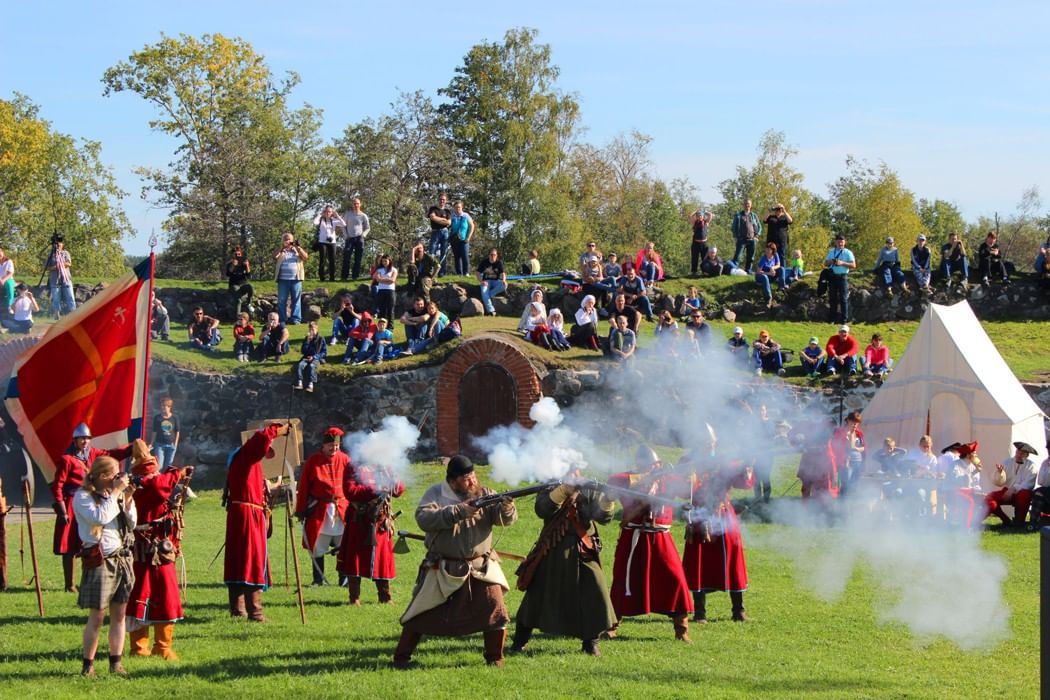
[91, 367]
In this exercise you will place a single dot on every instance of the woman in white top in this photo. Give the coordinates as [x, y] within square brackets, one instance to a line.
[327, 222]
[385, 278]
[585, 333]
[535, 298]
[106, 517]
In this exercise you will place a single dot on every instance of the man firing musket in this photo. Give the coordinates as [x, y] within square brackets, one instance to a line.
[461, 585]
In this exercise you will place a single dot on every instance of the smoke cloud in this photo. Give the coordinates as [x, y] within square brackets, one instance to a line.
[547, 451]
[384, 450]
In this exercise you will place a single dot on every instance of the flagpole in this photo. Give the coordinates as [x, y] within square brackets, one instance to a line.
[149, 336]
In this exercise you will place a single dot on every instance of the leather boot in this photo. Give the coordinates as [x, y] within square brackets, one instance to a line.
[318, 571]
[613, 631]
[590, 646]
[68, 569]
[700, 608]
[253, 603]
[494, 640]
[737, 598]
[237, 608]
[353, 586]
[383, 591]
[522, 635]
[406, 646]
[681, 627]
[115, 666]
[162, 635]
[88, 668]
[140, 641]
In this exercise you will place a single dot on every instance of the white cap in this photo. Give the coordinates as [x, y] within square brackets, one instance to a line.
[738, 329]
[844, 327]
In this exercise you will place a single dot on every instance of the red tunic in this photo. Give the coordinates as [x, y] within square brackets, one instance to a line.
[717, 565]
[155, 595]
[246, 562]
[70, 473]
[321, 483]
[818, 471]
[367, 549]
[647, 573]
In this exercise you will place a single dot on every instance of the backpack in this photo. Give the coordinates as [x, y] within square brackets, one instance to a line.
[450, 332]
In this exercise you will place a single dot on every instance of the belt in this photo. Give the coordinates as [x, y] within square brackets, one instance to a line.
[245, 503]
[648, 528]
[480, 556]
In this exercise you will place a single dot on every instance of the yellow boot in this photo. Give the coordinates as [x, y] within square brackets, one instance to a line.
[162, 635]
[140, 641]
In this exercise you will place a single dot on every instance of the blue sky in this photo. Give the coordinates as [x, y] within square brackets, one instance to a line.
[951, 95]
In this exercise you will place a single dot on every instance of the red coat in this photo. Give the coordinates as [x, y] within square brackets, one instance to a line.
[70, 473]
[818, 470]
[155, 595]
[717, 565]
[321, 483]
[367, 549]
[246, 515]
[647, 573]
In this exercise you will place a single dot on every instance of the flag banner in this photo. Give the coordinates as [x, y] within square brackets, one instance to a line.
[89, 367]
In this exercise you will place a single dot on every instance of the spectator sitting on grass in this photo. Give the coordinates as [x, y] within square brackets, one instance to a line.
[243, 337]
[738, 345]
[622, 341]
[700, 329]
[813, 358]
[535, 297]
[796, 267]
[382, 342]
[692, 302]
[314, 350]
[767, 355]
[22, 310]
[920, 263]
[274, 339]
[842, 352]
[359, 342]
[556, 322]
[666, 333]
[203, 331]
[345, 320]
[649, 264]
[713, 265]
[160, 320]
[612, 270]
[436, 323]
[633, 288]
[619, 307]
[415, 321]
[876, 357]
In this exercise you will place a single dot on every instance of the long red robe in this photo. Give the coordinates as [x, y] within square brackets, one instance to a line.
[647, 572]
[322, 483]
[367, 549]
[818, 471]
[155, 595]
[717, 565]
[246, 561]
[70, 473]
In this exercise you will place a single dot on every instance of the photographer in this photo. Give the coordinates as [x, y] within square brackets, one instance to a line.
[290, 275]
[239, 271]
[991, 260]
[22, 311]
[59, 279]
[700, 222]
[777, 224]
[326, 223]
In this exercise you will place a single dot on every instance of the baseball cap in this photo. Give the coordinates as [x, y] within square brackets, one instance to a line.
[839, 237]
[889, 239]
[844, 327]
[922, 237]
[738, 331]
[814, 341]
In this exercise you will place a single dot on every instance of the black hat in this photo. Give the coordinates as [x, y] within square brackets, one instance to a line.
[952, 447]
[1025, 447]
[458, 466]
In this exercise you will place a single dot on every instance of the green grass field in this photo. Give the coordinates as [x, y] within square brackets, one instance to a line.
[796, 646]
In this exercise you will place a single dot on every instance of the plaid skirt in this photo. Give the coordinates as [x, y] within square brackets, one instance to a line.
[107, 584]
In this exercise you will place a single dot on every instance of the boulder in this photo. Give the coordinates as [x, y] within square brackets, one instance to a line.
[472, 307]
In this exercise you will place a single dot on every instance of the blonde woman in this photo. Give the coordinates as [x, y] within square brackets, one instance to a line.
[106, 518]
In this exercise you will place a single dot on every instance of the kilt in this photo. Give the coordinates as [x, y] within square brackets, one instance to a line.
[107, 584]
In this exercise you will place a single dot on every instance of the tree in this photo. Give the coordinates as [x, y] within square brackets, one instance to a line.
[869, 204]
[240, 169]
[940, 218]
[510, 126]
[50, 183]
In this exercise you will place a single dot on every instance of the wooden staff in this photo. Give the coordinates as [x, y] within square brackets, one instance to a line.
[3, 539]
[32, 546]
[295, 556]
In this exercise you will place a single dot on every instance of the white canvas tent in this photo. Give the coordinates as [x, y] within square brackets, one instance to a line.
[952, 374]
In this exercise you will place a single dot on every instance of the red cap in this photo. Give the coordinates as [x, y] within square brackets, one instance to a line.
[967, 448]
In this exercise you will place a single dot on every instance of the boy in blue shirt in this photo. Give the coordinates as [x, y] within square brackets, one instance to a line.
[383, 339]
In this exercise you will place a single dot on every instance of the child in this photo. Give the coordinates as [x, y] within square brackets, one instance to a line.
[165, 434]
[346, 319]
[739, 347]
[314, 350]
[812, 358]
[536, 328]
[556, 323]
[612, 268]
[622, 341]
[692, 302]
[797, 267]
[383, 340]
[22, 310]
[876, 358]
[243, 337]
[359, 339]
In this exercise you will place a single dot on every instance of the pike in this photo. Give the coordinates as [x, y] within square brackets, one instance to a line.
[28, 499]
[490, 499]
[402, 545]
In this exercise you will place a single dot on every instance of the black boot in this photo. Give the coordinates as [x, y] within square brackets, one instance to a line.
[88, 668]
[68, 564]
[737, 598]
[590, 646]
[522, 635]
[318, 571]
[700, 608]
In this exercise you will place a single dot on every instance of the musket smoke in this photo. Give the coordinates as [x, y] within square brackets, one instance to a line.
[547, 451]
[385, 450]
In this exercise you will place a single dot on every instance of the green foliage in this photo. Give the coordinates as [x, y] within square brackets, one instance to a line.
[51, 183]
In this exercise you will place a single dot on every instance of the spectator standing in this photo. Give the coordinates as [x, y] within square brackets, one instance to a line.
[166, 433]
[954, 259]
[746, 230]
[493, 279]
[21, 320]
[888, 267]
[921, 265]
[238, 272]
[327, 221]
[440, 218]
[991, 260]
[356, 231]
[699, 221]
[385, 278]
[777, 224]
[7, 283]
[59, 278]
[839, 261]
[291, 272]
[461, 232]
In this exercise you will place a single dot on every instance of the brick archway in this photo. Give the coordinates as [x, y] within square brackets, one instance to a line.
[482, 349]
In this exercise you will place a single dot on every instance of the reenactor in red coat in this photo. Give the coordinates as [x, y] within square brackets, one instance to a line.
[320, 503]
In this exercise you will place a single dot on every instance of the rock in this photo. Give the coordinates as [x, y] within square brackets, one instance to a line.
[569, 306]
[729, 315]
[472, 307]
[313, 313]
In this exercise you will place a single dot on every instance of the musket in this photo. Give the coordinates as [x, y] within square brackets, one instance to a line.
[491, 498]
[610, 489]
[402, 547]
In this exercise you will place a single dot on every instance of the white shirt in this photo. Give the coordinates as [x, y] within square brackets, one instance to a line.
[23, 309]
[387, 272]
[7, 267]
[326, 228]
[1020, 477]
[92, 513]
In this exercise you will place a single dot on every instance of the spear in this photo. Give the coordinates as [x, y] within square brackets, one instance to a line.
[32, 544]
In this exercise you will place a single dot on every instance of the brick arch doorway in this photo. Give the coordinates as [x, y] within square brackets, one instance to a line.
[516, 396]
[487, 399]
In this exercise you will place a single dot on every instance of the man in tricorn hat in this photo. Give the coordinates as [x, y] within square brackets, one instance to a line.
[1018, 478]
[647, 571]
[70, 470]
[460, 586]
